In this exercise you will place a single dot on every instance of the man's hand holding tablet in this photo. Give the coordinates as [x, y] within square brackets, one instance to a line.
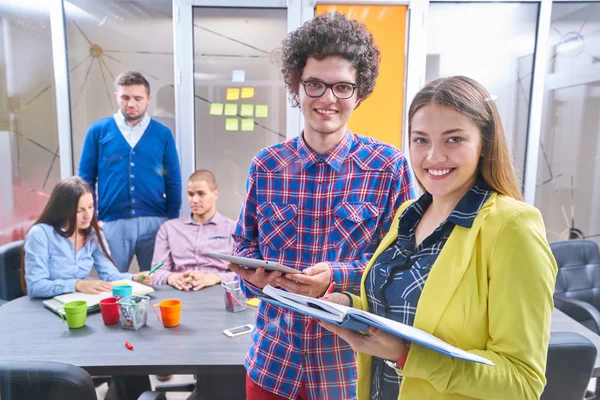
[257, 272]
[252, 263]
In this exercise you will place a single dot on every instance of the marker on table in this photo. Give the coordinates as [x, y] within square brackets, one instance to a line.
[153, 270]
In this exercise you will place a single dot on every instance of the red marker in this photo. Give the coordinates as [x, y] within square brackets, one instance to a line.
[327, 292]
[129, 346]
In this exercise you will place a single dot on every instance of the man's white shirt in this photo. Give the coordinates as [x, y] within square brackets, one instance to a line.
[132, 134]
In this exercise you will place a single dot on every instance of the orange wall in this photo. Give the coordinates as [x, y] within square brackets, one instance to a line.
[380, 115]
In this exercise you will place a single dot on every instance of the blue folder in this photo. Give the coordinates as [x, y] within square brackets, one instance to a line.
[359, 323]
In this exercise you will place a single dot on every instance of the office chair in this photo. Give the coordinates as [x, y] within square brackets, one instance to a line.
[10, 271]
[29, 380]
[577, 291]
[571, 359]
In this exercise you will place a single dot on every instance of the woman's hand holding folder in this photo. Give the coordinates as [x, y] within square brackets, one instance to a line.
[337, 298]
[377, 343]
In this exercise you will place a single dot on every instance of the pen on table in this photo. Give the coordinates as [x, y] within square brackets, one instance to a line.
[234, 299]
[152, 271]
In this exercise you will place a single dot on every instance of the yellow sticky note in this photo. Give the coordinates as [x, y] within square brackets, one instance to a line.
[247, 92]
[231, 124]
[247, 124]
[262, 111]
[253, 302]
[216, 108]
[233, 93]
[247, 110]
[231, 109]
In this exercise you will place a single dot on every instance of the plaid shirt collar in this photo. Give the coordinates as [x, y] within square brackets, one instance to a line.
[334, 157]
[463, 214]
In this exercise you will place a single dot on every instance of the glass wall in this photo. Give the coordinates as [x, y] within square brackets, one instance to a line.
[568, 178]
[28, 128]
[493, 43]
[105, 38]
[240, 97]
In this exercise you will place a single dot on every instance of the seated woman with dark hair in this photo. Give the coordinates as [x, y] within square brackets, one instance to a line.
[60, 250]
[64, 244]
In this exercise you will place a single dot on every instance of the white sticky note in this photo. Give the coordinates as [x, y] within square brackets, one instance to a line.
[238, 75]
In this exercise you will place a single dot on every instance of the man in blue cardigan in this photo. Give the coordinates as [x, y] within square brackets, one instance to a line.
[133, 160]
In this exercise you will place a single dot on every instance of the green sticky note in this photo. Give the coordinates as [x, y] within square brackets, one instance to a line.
[247, 124]
[231, 109]
[247, 110]
[262, 111]
[231, 124]
[216, 108]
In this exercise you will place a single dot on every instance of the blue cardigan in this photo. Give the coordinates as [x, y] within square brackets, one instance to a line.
[144, 181]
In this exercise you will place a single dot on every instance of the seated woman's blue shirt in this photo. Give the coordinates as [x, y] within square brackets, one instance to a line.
[52, 266]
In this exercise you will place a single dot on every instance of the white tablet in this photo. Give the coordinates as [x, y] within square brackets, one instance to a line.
[252, 263]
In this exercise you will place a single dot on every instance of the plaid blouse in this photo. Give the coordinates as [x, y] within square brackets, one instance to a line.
[302, 208]
[396, 280]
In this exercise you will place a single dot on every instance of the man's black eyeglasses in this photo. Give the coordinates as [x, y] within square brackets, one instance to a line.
[341, 90]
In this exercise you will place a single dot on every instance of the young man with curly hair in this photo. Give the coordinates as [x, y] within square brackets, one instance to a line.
[318, 203]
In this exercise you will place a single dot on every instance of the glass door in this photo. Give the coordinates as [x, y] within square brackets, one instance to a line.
[240, 100]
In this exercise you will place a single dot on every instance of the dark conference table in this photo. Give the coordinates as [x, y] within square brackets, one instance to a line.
[29, 331]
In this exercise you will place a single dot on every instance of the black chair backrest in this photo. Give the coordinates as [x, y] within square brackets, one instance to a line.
[10, 270]
[571, 359]
[578, 270]
[48, 380]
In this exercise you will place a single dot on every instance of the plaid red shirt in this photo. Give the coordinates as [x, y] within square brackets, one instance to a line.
[302, 208]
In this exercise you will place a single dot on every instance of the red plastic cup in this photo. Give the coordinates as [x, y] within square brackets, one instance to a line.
[110, 310]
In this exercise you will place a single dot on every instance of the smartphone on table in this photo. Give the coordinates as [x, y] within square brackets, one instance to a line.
[238, 330]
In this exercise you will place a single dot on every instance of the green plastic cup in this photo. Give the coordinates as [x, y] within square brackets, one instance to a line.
[76, 312]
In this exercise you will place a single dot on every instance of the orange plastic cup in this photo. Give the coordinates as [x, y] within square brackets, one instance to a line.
[170, 311]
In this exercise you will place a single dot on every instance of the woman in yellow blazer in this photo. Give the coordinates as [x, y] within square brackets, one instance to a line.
[467, 262]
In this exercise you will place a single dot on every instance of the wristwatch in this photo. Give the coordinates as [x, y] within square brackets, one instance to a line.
[398, 366]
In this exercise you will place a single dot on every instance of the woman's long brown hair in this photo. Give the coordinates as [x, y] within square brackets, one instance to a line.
[471, 99]
[61, 213]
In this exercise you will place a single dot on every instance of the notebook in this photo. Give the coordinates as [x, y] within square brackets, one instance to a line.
[358, 320]
[93, 300]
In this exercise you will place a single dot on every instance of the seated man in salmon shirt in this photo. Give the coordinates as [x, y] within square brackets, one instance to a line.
[183, 244]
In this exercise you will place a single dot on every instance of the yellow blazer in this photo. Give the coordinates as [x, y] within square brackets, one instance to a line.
[489, 292]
